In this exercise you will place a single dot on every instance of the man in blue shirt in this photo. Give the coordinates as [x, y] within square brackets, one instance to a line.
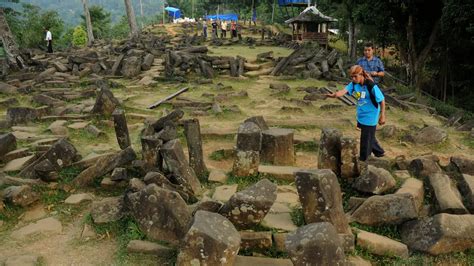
[371, 64]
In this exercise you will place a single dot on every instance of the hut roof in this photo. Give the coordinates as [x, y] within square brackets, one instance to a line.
[311, 14]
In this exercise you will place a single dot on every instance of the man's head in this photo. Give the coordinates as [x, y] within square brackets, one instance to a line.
[369, 50]
[46, 29]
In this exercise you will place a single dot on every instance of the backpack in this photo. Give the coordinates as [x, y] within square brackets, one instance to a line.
[370, 86]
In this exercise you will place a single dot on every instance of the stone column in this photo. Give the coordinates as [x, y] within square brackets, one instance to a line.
[121, 129]
[192, 130]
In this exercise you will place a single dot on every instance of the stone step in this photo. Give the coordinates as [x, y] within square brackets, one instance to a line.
[279, 172]
[19, 164]
[381, 245]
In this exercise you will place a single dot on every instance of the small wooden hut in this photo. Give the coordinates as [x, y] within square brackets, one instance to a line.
[311, 25]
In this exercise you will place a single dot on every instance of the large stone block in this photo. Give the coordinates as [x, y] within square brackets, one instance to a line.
[211, 240]
[315, 244]
[329, 155]
[248, 207]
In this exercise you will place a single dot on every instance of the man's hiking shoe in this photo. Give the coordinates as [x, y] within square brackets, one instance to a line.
[379, 155]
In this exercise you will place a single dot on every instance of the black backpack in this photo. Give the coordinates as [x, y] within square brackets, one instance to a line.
[370, 86]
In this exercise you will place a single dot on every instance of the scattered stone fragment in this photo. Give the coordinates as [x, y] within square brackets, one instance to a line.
[225, 192]
[161, 213]
[211, 240]
[440, 234]
[78, 198]
[147, 247]
[315, 244]
[107, 210]
[248, 207]
[381, 245]
[45, 226]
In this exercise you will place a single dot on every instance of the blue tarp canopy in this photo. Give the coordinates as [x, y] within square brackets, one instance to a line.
[173, 12]
[292, 2]
[223, 17]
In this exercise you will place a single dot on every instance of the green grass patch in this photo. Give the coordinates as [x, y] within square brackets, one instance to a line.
[390, 231]
[297, 216]
[66, 175]
[125, 230]
[308, 146]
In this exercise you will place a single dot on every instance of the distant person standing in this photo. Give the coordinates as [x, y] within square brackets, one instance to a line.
[371, 64]
[49, 40]
[214, 29]
[204, 29]
[223, 29]
[233, 29]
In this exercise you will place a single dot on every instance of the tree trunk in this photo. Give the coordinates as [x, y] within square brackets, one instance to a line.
[87, 15]
[132, 22]
[417, 61]
[352, 44]
[12, 50]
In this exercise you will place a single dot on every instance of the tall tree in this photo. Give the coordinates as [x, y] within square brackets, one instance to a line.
[132, 22]
[87, 16]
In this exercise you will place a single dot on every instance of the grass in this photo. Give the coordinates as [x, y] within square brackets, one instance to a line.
[308, 146]
[297, 216]
[125, 230]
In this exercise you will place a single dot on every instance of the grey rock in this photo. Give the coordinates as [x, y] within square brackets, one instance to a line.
[390, 209]
[464, 165]
[211, 240]
[249, 137]
[7, 143]
[107, 210]
[20, 195]
[131, 66]
[430, 135]
[161, 214]
[440, 234]
[315, 244]
[248, 207]
[329, 154]
[321, 198]
[447, 195]
[376, 181]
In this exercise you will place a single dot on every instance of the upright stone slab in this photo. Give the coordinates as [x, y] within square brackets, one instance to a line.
[248, 207]
[321, 198]
[424, 167]
[315, 244]
[329, 155]
[349, 161]
[105, 103]
[107, 210]
[466, 187]
[277, 146]
[246, 163]
[151, 151]
[192, 131]
[249, 137]
[161, 214]
[440, 234]
[121, 129]
[7, 143]
[463, 164]
[259, 120]
[177, 164]
[446, 194]
[211, 240]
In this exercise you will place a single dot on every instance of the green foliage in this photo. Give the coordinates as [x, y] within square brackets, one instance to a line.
[120, 29]
[297, 216]
[79, 37]
[101, 21]
[309, 146]
[217, 155]
[29, 24]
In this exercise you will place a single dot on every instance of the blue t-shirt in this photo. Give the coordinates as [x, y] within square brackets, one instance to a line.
[367, 114]
[371, 65]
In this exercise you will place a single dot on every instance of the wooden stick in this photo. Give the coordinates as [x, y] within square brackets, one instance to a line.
[158, 103]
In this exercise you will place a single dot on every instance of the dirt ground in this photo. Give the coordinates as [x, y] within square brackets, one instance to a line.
[68, 248]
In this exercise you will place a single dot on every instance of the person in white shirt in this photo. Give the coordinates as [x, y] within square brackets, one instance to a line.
[49, 40]
[223, 29]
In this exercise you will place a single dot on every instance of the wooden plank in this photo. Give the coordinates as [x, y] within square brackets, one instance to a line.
[158, 103]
